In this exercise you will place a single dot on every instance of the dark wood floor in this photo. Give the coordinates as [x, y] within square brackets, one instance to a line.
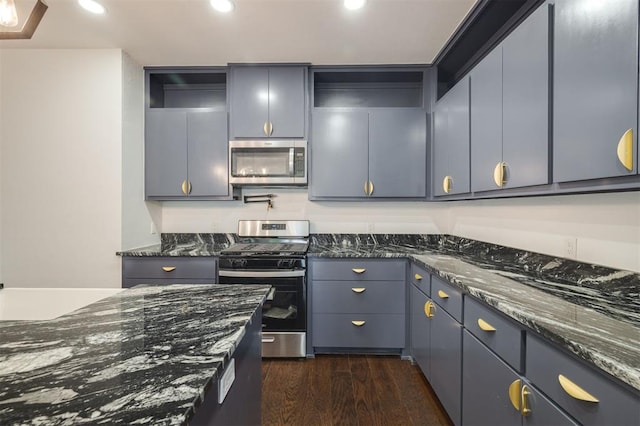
[347, 390]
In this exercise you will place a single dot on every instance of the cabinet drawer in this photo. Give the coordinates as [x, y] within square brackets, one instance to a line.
[377, 331]
[169, 267]
[366, 297]
[501, 335]
[359, 269]
[447, 296]
[616, 405]
[421, 278]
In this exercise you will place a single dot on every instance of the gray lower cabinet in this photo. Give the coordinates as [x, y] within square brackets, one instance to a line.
[186, 153]
[595, 107]
[451, 156]
[268, 101]
[588, 395]
[420, 330]
[494, 394]
[365, 153]
[168, 270]
[510, 109]
[353, 307]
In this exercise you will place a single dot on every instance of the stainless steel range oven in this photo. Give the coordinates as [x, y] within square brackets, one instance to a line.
[273, 252]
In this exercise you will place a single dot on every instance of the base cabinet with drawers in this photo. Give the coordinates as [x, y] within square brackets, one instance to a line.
[357, 304]
[168, 270]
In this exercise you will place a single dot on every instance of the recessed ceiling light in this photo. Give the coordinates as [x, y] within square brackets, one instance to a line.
[92, 6]
[354, 4]
[222, 5]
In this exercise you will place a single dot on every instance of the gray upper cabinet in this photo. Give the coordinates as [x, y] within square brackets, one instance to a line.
[268, 102]
[510, 110]
[186, 135]
[368, 135]
[595, 89]
[451, 156]
[339, 152]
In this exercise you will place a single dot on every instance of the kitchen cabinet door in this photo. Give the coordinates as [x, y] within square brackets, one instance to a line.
[486, 120]
[451, 142]
[207, 153]
[287, 102]
[165, 152]
[525, 107]
[420, 330]
[268, 102]
[595, 89]
[398, 152]
[339, 153]
[446, 361]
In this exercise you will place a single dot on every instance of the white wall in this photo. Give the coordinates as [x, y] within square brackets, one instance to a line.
[606, 227]
[61, 167]
[137, 216]
[339, 217]
[1, 166]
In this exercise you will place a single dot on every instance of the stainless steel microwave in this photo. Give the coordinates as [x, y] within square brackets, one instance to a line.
[268, 162]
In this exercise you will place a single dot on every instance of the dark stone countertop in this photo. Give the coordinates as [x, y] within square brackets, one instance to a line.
[147, 355]
[592, 311]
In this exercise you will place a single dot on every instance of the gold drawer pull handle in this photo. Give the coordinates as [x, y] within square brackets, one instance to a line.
[358, 270]
[418, 277]
[358, 323]
[625, 150]
[575, 391]
[525, 411]
[428, 309]
[358, 289]
[442, 294]
[168, 268]
[514, 394]
[485, 325]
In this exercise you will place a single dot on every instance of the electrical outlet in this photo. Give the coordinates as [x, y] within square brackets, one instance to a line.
[570, 247]
[214, 227]
[371, 228]
[153, 229]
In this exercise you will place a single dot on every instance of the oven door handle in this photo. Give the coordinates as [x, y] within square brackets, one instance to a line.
[260, 274]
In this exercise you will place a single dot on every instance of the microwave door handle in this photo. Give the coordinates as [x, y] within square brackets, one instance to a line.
[291, 158]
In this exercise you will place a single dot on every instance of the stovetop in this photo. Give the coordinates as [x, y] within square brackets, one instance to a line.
[269, 248]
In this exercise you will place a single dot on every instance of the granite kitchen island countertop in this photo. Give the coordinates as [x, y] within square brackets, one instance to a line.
[147, 355]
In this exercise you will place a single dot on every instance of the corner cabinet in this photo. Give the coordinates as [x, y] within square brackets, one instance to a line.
[186, 154]
[510, 109]
[595, 109]
[451, 158]
[369, 129]
[268, 102]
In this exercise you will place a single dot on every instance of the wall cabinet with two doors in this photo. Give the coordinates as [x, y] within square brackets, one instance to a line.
[369, 134]
[186, 134]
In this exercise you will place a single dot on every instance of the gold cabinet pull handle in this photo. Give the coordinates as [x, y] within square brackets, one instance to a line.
[188, 187]
[575, 391]
[358, 270]
[358, 289]
[418, 277]
[428, 309]
[485, 326]
[270, 128]
[358, 323]
[366, 188]
[525, 410]
[371, 188]
[265, 128]
[442, 294]
[625, 150]
[185, 187]
[447, 183]
[514, 394]
[168, 268]
[499, 174]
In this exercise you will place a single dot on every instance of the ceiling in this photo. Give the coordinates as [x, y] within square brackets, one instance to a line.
[191, 32]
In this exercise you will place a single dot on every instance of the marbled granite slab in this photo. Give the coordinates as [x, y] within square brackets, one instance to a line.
[147, 355]
[185, 245]
[591, 310]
